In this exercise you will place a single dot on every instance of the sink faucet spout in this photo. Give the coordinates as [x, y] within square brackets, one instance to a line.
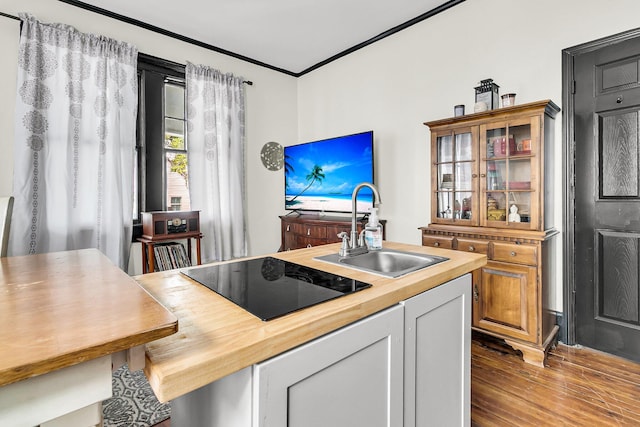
[355, 245]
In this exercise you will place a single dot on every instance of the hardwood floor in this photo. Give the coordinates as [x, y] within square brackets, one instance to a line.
[578, 387]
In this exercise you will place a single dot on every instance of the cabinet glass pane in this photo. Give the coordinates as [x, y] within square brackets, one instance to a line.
[445, 149]
[519, 177]
[522, 139]
[496, 143]
[462, 205]
[496, 174]
[496, 206]
[521, 200]
[445, 204]
[445, 176]
[463, 176]
[464, 147]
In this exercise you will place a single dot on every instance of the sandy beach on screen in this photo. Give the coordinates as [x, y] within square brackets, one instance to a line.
[321, 203]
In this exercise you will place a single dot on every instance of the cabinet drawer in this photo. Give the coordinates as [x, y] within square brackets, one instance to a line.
[511, 252]
[316, 231]
[473, 245]
[444, 242]
[308, 242]
[291, 228]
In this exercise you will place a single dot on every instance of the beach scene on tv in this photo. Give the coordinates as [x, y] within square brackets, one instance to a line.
[321, 175]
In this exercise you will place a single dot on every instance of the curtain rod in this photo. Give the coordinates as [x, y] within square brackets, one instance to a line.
[6, 15]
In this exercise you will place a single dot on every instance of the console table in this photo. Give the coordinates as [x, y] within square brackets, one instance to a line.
[305, 231]
[162, 227]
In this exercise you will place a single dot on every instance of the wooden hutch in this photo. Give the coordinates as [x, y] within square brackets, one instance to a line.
[490, 177]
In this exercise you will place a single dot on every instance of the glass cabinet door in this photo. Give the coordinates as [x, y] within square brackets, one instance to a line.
[510, 159]
[455, 170]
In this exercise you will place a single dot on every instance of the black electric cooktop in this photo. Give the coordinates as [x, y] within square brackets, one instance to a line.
[269, 287]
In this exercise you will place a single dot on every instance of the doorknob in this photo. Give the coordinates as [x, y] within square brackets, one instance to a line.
[619, 99]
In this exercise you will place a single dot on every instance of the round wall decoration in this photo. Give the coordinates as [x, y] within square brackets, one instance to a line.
[272, 156]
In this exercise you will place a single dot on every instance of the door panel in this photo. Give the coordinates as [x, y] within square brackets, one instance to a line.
[620, 159]
[505, 300]
[617, 293]
[607, 198]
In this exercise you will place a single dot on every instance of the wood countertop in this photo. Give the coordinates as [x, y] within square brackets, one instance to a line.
[63, 308]
[218, 338]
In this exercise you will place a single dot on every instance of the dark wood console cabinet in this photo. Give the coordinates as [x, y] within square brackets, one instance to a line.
[305, 231]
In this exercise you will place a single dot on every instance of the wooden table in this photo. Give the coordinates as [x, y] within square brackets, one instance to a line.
[63, 318]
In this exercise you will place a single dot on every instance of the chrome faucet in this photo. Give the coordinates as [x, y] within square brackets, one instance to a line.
[355, 245]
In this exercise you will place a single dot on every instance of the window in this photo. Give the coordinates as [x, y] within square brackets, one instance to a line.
[175, 148]
[176, 203]
[161, 163]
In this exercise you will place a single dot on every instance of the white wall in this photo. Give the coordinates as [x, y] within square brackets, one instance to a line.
[271, 105]
[419, 74]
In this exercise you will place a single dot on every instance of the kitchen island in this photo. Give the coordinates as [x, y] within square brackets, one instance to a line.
[65, 319]
[218, 369]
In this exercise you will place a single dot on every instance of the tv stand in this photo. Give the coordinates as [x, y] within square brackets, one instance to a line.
[307, 230]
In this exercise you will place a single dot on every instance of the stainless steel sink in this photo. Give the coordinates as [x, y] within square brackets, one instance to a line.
[386, 262]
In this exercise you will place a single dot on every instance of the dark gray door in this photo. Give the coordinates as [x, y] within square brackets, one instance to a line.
[607, 199]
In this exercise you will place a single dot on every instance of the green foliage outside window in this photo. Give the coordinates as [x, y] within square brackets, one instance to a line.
[179, 161]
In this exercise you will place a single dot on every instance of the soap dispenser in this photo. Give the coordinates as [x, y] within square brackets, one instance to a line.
[373, 231]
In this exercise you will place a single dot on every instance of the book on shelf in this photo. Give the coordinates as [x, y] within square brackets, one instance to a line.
[170, 255]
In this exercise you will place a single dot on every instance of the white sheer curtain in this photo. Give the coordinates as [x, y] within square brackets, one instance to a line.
[215, 143]
[76, 112]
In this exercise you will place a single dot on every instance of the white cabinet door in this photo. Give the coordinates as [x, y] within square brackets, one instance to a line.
[438, 356]
[350, 377]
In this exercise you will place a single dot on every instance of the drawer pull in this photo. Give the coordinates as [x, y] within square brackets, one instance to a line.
[472, 248]
[436, 244]
[513, 253]
[309, 245]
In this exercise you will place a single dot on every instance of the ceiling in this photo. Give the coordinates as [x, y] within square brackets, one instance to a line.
[292, 36]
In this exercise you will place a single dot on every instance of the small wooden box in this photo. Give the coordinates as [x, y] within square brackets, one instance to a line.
[163, 225]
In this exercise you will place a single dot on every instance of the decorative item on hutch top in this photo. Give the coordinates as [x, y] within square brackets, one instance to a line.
[487, 92]
[508, 100]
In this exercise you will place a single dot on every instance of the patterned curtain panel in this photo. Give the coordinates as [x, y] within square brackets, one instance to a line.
[215, 144]
[75, 132]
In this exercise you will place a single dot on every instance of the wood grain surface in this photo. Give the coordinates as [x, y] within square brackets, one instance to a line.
[63, 308]
[217, 337]
[577, 387]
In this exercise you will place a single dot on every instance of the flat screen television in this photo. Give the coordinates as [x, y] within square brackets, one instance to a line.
[321, 175]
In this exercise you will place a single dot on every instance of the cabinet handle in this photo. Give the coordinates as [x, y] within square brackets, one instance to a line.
[476, 294]
[474, 175]
[308, 232]
[513, 253]
[482, 175]
[436, 244]
[309, 245]
[288, 228]
[472, 248]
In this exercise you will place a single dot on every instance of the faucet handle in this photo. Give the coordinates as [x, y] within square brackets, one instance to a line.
[345, 242]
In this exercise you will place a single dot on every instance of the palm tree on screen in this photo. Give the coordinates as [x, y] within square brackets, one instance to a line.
[315, 175]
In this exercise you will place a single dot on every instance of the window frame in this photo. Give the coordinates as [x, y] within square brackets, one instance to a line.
[153, 72]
